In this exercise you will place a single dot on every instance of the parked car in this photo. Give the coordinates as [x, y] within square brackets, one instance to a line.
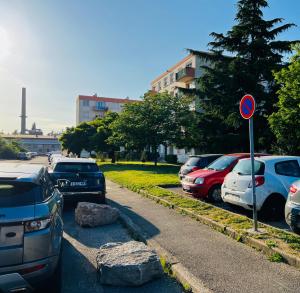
[292, 207]
[31, 226]
[81, 179]
[195, 163]
[24, 156]
[206, 183]
[33, 154]
[53, 157]
[273, 177]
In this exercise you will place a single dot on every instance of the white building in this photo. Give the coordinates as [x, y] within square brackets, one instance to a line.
[182, 75]
[41, 144]
[90, 107]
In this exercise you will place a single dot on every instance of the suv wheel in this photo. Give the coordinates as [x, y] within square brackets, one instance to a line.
[295, 229]
[53, 284]
[214, 194]
[273, 208]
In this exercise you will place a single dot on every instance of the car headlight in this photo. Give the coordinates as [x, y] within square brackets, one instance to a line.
[36, 225]
[199, 180]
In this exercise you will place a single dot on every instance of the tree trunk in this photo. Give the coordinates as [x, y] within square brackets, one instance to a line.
[166, 150]
[154, 150]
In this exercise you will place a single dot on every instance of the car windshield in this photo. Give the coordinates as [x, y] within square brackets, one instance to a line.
[193, 161]
[243, 167]
[76, 167]
[221, 164]
[18, 194]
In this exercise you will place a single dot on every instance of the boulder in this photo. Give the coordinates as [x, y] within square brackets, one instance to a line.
[127, 264]
[92, 215]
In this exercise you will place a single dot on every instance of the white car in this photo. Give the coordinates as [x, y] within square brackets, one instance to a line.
[273, 178]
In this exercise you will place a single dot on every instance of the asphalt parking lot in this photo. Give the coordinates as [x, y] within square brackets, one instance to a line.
[80, 247]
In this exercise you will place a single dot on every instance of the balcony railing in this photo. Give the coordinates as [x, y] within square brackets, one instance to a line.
[185, 74]
[102, 108]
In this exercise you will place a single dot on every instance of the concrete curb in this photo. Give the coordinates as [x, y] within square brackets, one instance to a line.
[180, 272]
[250, 241]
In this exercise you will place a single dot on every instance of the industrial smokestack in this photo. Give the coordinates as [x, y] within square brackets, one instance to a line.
[23, 113]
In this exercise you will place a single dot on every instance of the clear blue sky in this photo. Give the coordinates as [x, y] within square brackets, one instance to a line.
[61, 48]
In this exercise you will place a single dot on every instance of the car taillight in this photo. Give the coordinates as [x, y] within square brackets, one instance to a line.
[195, 169]
[293, 189]
[259, 180]
[31, 269]
[36, 225]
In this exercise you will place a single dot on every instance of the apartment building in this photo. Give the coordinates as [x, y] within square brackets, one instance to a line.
[182, 75]
[90, 107]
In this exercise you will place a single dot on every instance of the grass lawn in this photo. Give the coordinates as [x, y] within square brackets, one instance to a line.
[137, 175]
[148, 178]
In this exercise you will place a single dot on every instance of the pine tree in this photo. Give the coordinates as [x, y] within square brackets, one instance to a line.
[242, 61]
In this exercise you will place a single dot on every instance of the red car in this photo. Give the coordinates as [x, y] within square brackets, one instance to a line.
[206, 183]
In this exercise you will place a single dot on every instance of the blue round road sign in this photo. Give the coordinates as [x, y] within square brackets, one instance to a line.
[247, 106]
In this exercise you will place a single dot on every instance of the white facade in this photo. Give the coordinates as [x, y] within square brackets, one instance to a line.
[90, 107]
[183, 75]
[36, 143]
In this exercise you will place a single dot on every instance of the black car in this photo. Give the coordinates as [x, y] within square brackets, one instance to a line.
[79, 180]
[197, 162]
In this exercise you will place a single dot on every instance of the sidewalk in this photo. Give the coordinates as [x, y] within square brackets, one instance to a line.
[221, 263]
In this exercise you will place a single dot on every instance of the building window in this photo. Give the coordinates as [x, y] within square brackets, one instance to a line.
[171, 77]
[158, 87]
[100, 106]
[189, 64]
[165, 81]
[85, 103]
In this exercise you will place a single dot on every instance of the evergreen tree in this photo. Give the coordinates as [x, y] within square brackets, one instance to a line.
[241, 61]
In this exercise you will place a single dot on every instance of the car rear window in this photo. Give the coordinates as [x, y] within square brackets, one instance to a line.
[76, 167]
[243, 167]
[193, 161]
[222, 163]
[288, 168]
[18, 194]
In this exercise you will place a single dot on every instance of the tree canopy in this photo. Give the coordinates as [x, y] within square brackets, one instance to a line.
[160, 118]
[241, 61]
[285, 122]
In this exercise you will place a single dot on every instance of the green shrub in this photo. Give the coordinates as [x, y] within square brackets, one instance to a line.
[171, 159]
[276, 257]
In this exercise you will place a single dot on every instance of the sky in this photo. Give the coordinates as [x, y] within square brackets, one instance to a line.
[59, 49]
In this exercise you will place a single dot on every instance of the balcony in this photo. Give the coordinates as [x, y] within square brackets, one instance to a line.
[186, 74]
[100, 109]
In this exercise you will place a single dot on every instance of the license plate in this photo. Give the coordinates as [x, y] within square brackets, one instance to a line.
[186, 187]
[78, 184]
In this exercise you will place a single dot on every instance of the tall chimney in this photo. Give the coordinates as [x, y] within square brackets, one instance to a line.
[23, 113]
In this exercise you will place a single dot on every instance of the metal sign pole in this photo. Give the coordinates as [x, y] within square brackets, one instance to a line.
[252, 173]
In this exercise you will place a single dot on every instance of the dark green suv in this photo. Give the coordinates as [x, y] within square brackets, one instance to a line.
[79, 180]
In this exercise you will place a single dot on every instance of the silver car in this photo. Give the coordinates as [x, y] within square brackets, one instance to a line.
[292, 207]
[31, 226]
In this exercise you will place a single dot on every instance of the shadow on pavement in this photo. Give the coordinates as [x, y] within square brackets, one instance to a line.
[80, 246]
[137, 219]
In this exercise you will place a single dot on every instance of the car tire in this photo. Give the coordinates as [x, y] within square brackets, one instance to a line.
[53, 284]
[295, 229]
[273, 208]
[214, 194]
